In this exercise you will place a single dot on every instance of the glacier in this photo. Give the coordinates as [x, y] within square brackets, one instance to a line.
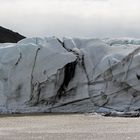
[74, 75]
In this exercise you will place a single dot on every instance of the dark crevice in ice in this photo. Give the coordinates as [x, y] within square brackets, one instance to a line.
[69, 73]
[138, 76]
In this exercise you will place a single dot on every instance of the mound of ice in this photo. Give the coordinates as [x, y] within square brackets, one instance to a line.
[76, 75]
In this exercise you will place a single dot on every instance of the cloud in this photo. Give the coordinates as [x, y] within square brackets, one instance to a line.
[89, 18]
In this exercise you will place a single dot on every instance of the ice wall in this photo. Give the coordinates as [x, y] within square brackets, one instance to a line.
[75, 75]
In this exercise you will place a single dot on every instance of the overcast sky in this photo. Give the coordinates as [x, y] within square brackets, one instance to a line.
[77, 18]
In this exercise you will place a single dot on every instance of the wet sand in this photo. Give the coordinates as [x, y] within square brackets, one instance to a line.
[68, 127]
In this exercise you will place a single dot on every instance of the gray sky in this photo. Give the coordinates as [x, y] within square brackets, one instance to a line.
[77, 18]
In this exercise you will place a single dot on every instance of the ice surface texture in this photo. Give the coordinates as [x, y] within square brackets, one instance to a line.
[75, 75]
